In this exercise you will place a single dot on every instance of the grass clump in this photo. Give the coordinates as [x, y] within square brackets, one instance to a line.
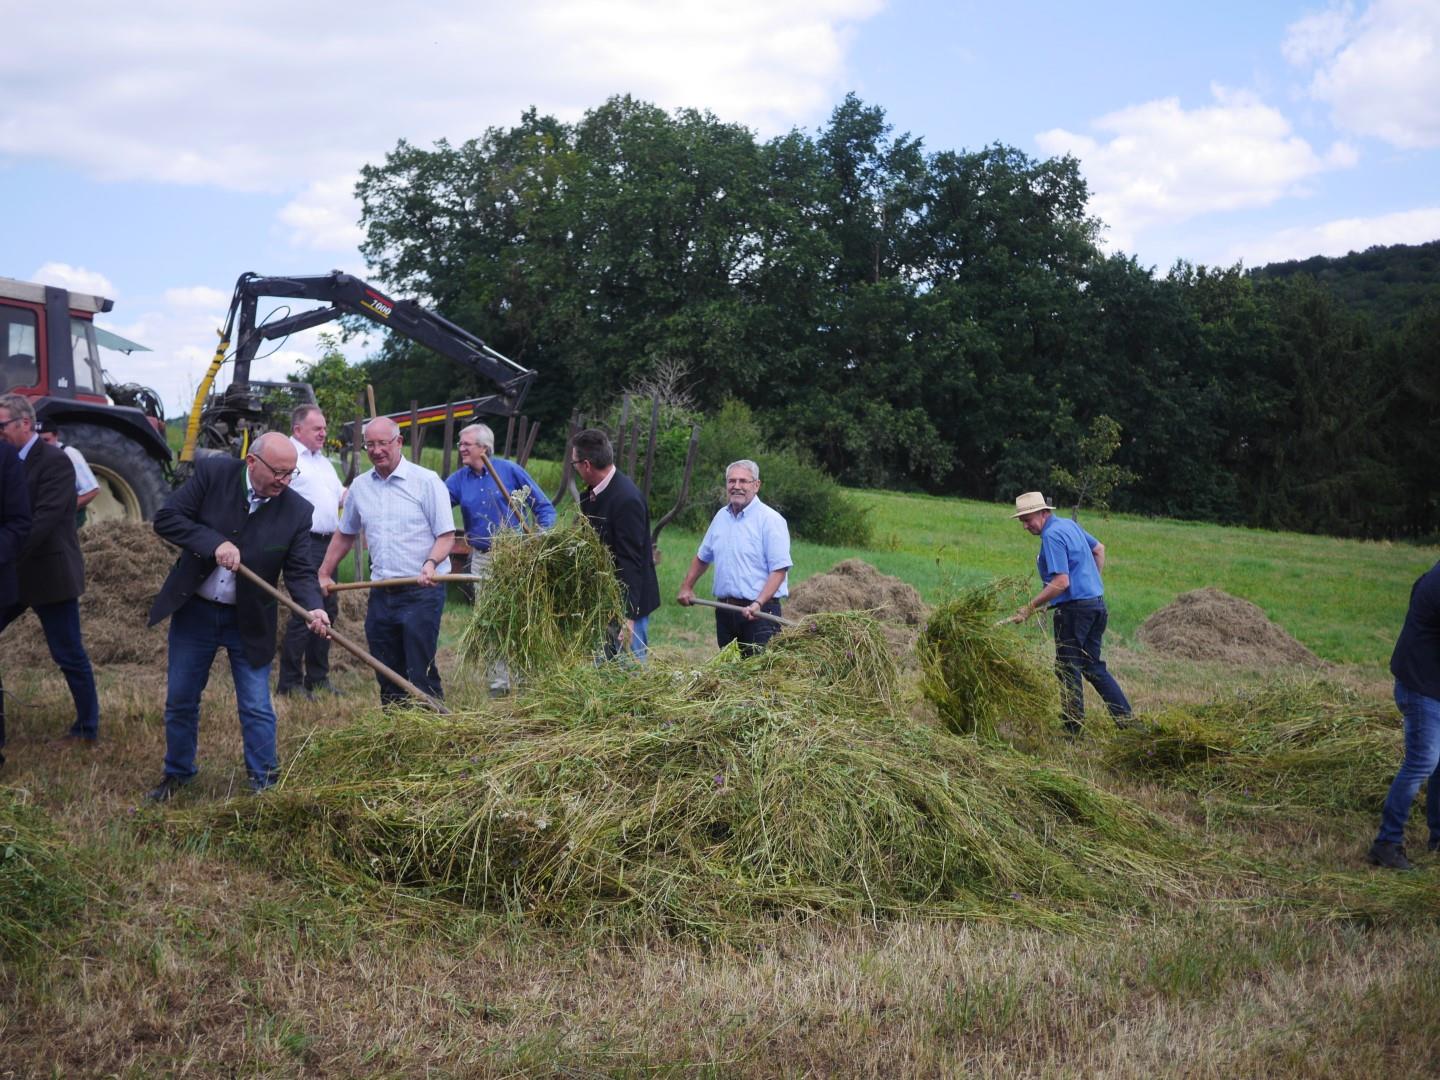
[41, 887]
[547, 601]
[707, 801]
[1299, 743]
[979, 675]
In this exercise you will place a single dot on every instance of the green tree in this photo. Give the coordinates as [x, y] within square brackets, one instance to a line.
[338, 385]
[1096, 476]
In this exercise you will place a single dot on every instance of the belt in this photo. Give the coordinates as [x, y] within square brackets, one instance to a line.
[736, 600]
[322, 536]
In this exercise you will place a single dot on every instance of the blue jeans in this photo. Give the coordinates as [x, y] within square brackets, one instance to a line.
[402, 628]
[1422, 763]
[61, 623]
[197, 632]
[1079, 630]
[639, 641]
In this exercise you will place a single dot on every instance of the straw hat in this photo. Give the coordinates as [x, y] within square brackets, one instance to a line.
[1030, 503]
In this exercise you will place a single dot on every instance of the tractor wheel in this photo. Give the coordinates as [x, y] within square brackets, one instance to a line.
[132, 483]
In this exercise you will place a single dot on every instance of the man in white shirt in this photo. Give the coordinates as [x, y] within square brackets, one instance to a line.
[305, 657]
[86, 486]
[404, 509]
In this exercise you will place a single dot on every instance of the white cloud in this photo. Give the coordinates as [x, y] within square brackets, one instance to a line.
[74, 278]
[1379, 72]
[197, 296]
[325, 216]
[1340, 237]
[1159, 163]
[276, 96]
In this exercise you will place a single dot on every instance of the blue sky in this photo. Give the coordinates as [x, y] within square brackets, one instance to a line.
[153, 153]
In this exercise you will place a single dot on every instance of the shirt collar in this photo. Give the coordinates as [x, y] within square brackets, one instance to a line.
[748, 507]
[603, 484]
[400, 472]
[25, 450]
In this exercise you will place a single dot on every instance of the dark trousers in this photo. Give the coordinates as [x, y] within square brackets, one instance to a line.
[1079, 629]
[61, 623]
[752, 634]
[402, 628]
[305, 657]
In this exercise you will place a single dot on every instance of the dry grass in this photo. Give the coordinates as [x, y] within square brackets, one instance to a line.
[191, 963]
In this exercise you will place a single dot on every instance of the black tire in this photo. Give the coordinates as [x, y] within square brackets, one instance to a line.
[132, 483]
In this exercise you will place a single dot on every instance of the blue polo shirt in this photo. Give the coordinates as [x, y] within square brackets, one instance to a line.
[1066, 548]
[745, 549]
[484, 508]
[1416, 659]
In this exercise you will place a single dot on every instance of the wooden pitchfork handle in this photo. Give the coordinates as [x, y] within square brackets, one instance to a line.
[738, 609]
[342, 586]
[490, 467]
[344, 642]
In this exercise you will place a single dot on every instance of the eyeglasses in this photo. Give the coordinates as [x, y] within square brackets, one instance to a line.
[376, 444]
[740, 480]
[283, 477]
[13, 420]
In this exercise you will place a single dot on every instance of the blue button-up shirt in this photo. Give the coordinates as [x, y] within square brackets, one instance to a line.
[745, 549]
[1066, 548]
[401, 514]
[483, 506]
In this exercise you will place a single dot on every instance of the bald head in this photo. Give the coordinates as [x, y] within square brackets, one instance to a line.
[271, 462]
[382, 443]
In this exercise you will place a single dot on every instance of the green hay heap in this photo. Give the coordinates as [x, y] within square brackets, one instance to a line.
[1310, 744]
[705, 801]
[979, 675]
[547, 601]
[40, 886]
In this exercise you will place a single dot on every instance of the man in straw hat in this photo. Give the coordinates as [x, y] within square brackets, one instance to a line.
[1070, 562]
[1415, 663]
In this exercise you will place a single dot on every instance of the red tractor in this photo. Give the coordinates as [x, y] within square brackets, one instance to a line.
[49, 351]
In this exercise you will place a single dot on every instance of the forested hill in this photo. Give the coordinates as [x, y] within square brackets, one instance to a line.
[1387, 283]
[908, 317]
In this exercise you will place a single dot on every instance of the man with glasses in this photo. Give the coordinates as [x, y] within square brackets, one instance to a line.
[749, 544]
[405, 512]
[617, 510]
[51, 570]
[485, 510]
[231, 513]
[305, 657]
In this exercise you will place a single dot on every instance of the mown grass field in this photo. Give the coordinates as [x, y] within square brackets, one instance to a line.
[185, 962]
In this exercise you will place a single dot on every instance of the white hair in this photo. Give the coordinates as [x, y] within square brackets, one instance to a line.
[483, 434]
[744, 463]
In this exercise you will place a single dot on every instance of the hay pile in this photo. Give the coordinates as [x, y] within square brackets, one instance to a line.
[547, 601]
[855, 585]
[704, 801]
[41, 884]
[1304, 744]
[1208, 624]
[979, 675]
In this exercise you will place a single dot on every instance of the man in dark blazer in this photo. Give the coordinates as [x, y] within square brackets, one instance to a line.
[14, 528]
[231, 513]
[617, 510]
[51, 570]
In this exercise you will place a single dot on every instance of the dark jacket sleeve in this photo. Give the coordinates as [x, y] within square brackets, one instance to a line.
[52, 504]
[633, 559]
[15, 519]
[178, 521]
[301, 571]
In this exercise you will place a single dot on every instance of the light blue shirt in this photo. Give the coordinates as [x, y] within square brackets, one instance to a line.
[745, 549]
[1066, 548]
[401, 514]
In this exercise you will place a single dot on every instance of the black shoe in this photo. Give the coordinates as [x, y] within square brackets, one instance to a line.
[166, 789]
[75, 739]
[1390, 856]
[1129, 723]
[322, 689]
[295, 692]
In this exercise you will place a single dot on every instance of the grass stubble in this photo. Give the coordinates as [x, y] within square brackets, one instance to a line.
[1254, 945]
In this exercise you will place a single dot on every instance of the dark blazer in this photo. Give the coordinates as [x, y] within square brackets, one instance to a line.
[212, 508]
[622, 519]
[14, 521]
[51, 568]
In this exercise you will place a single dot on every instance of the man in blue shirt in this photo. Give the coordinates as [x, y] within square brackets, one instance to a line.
[1415, 663]
[484, 508]
[749, 543]
[1070, 562]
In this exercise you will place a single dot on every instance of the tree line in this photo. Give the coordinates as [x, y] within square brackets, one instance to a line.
[938, 321]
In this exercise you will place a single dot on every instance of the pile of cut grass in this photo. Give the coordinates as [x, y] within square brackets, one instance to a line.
[1302, 743]
[41, 885]
[547, 600]
[705, 801]
[979, 675]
